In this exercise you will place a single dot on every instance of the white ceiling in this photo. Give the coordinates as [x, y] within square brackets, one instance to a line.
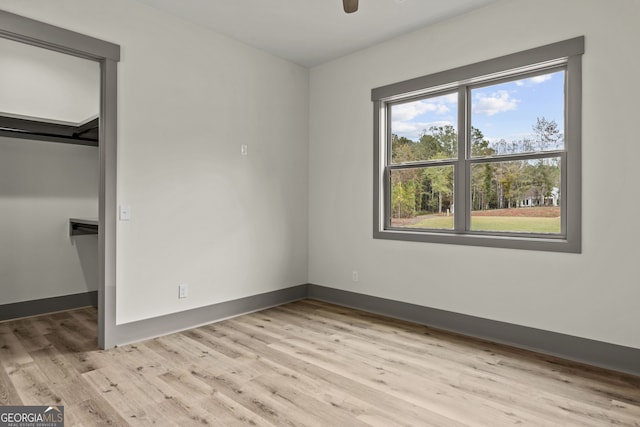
[310, 32]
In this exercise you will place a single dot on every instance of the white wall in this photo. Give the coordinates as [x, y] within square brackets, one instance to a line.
[42, 83]
[594, 294]
[228, 226]
[43, 184]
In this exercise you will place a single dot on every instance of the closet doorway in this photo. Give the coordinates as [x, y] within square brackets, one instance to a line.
[58, 171]
[49, 173]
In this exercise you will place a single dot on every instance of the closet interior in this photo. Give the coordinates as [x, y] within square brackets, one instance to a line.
[49, 180]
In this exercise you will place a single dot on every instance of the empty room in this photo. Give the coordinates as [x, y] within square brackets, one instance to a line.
[319, 213]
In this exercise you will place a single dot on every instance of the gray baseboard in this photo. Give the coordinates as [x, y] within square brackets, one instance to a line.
[163, 325]
[583, 350]
[17, 310]
[591, 352]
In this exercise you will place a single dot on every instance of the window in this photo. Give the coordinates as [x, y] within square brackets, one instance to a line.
[486, 154]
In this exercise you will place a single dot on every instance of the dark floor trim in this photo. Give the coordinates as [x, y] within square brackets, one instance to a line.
[17, 310]
[596, 353]
[162, 325]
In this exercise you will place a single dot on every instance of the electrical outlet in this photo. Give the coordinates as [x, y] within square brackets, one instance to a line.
[182, 291]
[354, 276]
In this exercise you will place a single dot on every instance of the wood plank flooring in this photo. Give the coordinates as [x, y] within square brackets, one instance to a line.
[306, 363]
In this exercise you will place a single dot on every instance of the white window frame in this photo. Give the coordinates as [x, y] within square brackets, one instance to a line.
[565, 55]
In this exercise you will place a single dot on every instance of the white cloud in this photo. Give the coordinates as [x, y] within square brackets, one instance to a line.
[497, 102]
[452, 98]
[412, 110]
[540, 79]
[437, 105]
[413, 130]
[533, 80]
[411, 119]
[404, 127]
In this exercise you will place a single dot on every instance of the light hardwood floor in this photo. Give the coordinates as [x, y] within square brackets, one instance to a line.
[302, 364]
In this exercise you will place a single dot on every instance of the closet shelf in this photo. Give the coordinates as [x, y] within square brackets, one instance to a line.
[82, 227]
[26, 127]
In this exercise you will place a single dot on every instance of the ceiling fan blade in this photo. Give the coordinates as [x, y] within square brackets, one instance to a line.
[350, 6]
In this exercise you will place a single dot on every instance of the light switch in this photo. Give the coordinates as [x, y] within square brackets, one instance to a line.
[244, 149]
[125, 213]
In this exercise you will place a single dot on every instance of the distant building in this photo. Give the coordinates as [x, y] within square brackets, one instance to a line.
[531, 198]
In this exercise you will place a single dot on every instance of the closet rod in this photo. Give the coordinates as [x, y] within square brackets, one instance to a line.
[85, 133]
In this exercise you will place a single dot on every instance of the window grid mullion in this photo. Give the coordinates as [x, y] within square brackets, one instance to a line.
[563, 194]
[422, 165]
[387, 168]
[462, 182]
[518, 157]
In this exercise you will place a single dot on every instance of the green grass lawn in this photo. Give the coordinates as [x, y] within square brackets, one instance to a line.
[496, 223]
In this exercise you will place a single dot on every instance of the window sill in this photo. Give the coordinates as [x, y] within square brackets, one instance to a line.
[533, 243]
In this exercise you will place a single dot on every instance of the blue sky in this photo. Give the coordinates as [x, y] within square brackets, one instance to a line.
[503, 111]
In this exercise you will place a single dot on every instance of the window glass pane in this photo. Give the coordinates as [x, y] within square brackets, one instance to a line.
[424, 129]
[520, 116]
[516, 196]
[422, 197]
